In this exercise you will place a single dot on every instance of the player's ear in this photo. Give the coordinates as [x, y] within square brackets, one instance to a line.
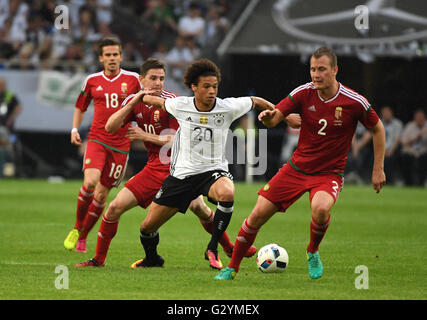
[335, 70]
[193, 87]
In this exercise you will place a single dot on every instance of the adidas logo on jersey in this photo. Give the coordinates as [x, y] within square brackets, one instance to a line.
[99, 88]
[312, 108]
[189, 119]
[139, 115]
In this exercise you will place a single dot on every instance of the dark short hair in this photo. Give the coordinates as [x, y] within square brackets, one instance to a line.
[326, 52]
[201, 68]
[149, 64]
[108, 42]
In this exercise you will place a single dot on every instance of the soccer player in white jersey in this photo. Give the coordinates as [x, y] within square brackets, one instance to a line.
[198, 163]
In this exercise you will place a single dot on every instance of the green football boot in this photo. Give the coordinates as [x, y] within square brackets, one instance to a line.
[71, 240]
[226, 274]
[315, 266]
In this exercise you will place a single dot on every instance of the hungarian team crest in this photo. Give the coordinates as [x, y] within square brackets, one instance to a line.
[124, 87]
[338, 117]
[338, 113]
[156, 116]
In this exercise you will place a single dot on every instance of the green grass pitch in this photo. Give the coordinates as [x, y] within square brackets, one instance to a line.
[385, 232]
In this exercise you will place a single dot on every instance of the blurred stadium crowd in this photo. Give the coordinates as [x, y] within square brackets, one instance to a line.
[177, 32]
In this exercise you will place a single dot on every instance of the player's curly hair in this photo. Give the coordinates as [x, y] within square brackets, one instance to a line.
[201, 68]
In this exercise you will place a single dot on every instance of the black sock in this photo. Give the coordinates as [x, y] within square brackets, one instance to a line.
[150, 241]
[222, 218]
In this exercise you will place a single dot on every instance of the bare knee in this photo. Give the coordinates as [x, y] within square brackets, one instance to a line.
[90, 183]
[195, 207]
[114, 210]
[91, 178]
[321, 205]
[225, 193]
[320, 212]
[101, 196]
[200, 209]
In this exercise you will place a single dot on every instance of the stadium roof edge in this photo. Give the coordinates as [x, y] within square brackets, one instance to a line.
[362, 28]
[225, 44]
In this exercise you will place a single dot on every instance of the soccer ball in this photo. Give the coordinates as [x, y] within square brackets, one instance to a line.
[272, 258]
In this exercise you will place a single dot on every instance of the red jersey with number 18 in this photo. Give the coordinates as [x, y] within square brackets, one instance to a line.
[107, 94]
[327, 127]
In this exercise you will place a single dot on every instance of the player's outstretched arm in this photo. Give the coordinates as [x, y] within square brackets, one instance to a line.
[271, 118]
[154, 101]
[136, 133]
[262, 104]
[293, 120]
[378, 175]
[116, 120]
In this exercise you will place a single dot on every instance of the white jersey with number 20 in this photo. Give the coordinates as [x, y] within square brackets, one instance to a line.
[199, 143]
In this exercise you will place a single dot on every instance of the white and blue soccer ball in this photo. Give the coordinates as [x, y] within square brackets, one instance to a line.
[272, 258]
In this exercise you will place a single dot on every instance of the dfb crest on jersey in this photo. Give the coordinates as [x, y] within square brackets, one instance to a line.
[218, 119]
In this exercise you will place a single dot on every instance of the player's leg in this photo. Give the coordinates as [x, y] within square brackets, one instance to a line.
[94, 211]
[264, 209]
[124, 201]
[222, 191]
[321, 204]
[112, 173]
[206, 217]
[157, 215]
[84, 199]
[90, 181]
[323, 196]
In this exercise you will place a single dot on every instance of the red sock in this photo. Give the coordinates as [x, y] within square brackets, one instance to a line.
[245, 239]
[106, 233]
[83, 201]
[93, 213]
[317, 232]
[224, 240]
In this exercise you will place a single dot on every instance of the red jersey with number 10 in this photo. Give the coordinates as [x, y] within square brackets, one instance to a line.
[327, 127]
[155, 121]
[108, 95]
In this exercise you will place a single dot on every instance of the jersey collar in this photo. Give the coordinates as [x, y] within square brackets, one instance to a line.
[333, 98]
[115, 78]
[194, 103]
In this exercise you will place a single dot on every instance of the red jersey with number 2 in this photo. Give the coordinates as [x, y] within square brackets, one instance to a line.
[327, 127]
[107, 95]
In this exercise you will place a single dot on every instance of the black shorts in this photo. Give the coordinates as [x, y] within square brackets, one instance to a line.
[178, 193]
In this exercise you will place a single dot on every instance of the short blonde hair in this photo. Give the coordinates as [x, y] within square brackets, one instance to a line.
[326, 52]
